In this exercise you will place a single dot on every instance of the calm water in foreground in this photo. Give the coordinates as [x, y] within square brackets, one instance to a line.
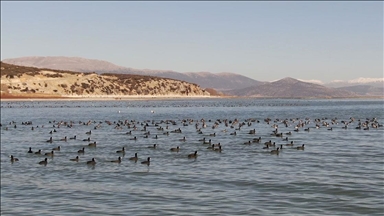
[340, 171]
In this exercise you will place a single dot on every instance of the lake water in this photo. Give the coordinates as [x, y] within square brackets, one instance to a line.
[339, 172]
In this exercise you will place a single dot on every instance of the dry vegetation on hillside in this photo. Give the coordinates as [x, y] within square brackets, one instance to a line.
[29, 80]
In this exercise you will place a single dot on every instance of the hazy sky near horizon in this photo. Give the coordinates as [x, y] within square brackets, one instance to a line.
[265, 41]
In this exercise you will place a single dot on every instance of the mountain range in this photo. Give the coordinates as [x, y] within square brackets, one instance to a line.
[219, 81]
[22, 81]
[291, 88]
[227, 83]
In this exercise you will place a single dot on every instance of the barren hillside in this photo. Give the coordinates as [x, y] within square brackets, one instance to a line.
[218, 81]
[29, 80]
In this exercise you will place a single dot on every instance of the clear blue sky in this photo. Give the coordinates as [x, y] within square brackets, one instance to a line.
[262, 40]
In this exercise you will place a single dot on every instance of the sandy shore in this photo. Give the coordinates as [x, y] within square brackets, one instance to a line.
[34, 97]
[49, 97]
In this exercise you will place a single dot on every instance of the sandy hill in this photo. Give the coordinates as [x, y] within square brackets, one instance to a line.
[218, 81]
[36, 81]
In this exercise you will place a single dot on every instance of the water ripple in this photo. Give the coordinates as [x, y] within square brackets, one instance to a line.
[340, 172]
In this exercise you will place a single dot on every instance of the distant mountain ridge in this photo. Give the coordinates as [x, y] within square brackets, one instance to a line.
[291, 88]
[364, 90]
[64, 63]
[224, 82]
[375, 82]
[219, 81]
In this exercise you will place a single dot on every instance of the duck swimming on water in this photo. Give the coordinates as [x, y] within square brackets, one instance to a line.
[91, 162]
[193, 155]
[117, 161]
[154, 146]
[44, 162]
[13, 159]
[134, 158]
[81, 151]
[92, 144]
[49, 154]
[121, 151]
[275, 151]
[175, 149]
[147, 162]
[75, 159]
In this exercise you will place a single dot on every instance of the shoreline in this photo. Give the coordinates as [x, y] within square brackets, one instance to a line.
[18, 97]
[9, 98]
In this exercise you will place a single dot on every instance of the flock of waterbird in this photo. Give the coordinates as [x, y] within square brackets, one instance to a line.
[282, 129]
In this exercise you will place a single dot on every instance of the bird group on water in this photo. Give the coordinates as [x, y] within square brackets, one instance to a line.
[205, 131]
